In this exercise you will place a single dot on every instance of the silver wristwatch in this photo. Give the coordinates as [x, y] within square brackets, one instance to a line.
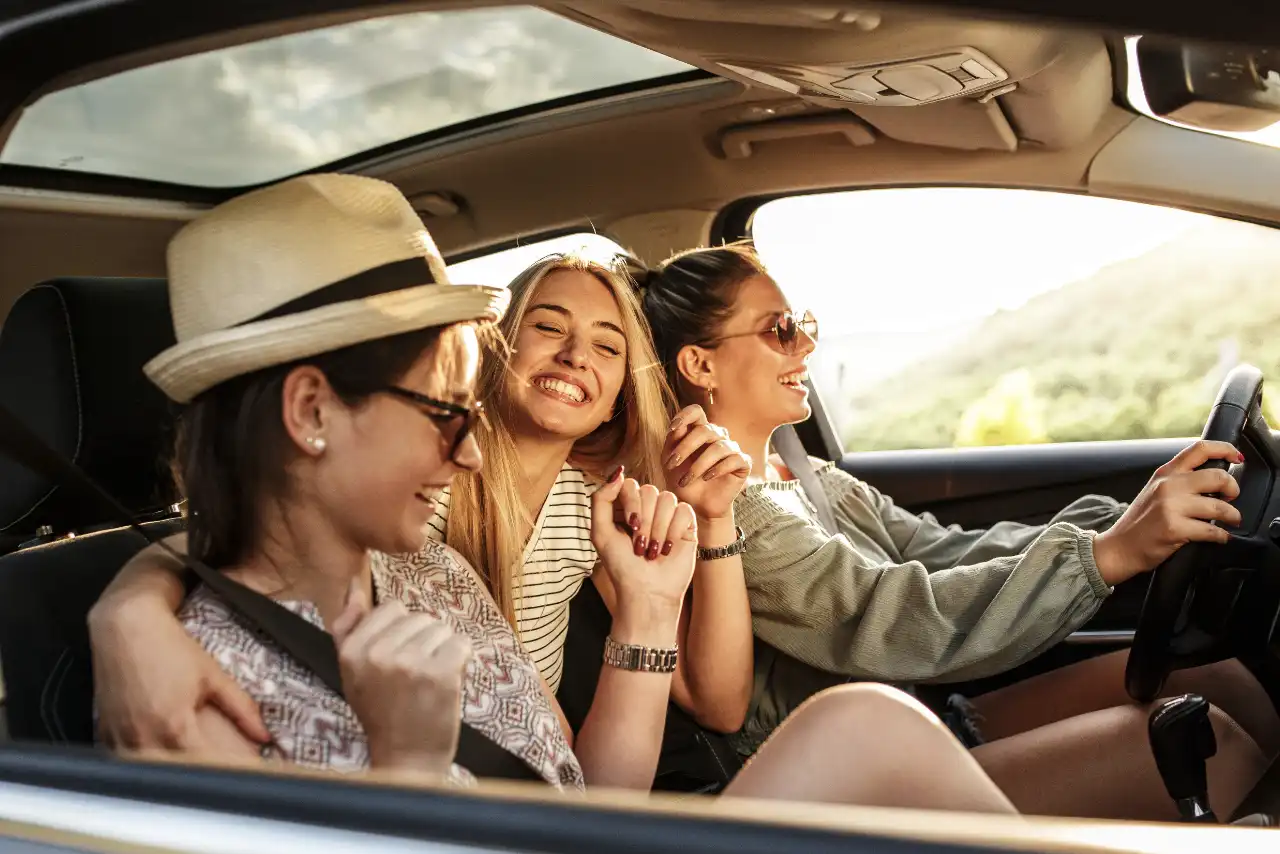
[737, 547]
[646, 659]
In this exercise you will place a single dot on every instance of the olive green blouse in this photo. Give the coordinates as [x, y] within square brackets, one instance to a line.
[896, 597]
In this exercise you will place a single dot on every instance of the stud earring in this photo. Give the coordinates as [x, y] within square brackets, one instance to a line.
[317, 442]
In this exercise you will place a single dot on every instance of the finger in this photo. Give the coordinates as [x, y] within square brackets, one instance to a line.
[353, 611]
[627, 507]
[687, 417]
[684, 531]
[1212, 510]
[648, 496]
[183, 735]
[452, 655]
[224, 692]
[698, 437]
[660, 540]
[736, 464]
[1203, 532]
[602, 505]
[358, 641]
[1212, 482]
[713, 455]
[411, 631]
[1201, 452]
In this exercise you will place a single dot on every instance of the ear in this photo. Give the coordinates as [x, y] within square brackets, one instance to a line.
[697, 366]
[306, 404]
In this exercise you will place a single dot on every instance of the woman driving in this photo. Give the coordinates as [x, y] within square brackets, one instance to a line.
[901, 598]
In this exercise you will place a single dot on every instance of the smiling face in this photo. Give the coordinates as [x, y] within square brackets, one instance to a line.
[570, 358]
[387, 459]
[757, 383]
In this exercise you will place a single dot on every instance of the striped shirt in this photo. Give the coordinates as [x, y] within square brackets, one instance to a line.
[557, 558]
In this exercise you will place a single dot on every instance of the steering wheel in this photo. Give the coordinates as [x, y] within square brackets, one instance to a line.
[1212, 601]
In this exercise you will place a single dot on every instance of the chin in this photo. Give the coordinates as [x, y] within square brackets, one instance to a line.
[795, 414]
[558, 420]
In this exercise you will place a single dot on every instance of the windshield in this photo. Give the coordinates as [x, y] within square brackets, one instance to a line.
[261, 111]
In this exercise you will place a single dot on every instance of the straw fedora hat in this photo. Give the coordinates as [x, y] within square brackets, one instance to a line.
[310, 265]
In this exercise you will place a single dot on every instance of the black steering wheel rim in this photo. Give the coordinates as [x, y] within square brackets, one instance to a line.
[1185, 613]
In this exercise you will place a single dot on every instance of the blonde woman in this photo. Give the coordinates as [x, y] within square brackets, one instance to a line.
[580, 393]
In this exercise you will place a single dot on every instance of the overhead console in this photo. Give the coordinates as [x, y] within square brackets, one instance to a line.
[908, 83]
[969, 84]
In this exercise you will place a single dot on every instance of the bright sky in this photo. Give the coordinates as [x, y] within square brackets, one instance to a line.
[870, 261]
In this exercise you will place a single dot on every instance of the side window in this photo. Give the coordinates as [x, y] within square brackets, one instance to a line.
[964, 316]
[499, 268]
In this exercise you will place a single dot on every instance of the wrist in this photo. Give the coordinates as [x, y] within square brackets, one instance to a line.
[718, 531]
[658, 628]
[1108, 557]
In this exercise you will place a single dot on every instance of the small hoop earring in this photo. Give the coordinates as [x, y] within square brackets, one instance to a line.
[711, 396]
[317, 442]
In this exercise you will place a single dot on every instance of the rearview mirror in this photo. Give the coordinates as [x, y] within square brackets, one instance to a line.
[1216, 88]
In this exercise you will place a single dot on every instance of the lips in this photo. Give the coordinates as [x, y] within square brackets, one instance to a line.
[563, 388]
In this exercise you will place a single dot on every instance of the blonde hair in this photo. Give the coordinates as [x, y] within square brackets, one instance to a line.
[487, 519]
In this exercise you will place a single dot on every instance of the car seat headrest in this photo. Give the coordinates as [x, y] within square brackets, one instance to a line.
[71, 357]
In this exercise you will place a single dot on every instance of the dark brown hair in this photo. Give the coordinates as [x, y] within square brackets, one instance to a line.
[688, 297]
[231, 445]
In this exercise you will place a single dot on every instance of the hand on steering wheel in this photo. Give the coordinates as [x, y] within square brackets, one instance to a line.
[1202, 604]
[1177, 506]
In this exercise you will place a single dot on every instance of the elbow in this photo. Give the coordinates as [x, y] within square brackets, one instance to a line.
[723, 721]
[724, 715]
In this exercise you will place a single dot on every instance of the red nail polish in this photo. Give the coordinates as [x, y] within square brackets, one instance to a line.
[641, 543]
[634, 522]
[652, 552]
[617, 473]
[1239, 457]
[666, 548]
[684, 481]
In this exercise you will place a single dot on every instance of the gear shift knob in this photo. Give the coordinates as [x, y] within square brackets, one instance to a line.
[1181, 740]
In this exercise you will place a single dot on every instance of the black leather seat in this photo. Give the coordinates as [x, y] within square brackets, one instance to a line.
[71, 356]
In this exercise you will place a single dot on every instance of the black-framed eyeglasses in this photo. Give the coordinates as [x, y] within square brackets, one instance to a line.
[462, 419]
[787, 329]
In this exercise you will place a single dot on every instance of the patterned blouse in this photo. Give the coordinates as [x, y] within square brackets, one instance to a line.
[313, 726]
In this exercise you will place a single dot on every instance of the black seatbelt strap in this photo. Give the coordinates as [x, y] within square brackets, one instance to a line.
[308, 644]
[788, 445]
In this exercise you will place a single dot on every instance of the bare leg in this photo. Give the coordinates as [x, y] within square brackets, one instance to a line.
[871, 745]
[1098, 683]
[1099, 765]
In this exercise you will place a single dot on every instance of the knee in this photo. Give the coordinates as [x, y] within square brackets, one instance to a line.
[1231, 737]
[866, 704]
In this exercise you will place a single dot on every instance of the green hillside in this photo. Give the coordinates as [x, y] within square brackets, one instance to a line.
[1134, 351]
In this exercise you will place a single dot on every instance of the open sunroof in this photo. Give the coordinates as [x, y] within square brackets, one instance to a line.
[261, 111]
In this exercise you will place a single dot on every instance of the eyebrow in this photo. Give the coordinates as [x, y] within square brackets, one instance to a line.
[559, 309]
[771, 313]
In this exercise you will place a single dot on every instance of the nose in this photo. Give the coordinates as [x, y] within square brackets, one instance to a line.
[468, 456]
[575, 352]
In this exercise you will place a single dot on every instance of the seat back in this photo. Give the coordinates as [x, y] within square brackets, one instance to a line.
[71, 357]
[46, 592]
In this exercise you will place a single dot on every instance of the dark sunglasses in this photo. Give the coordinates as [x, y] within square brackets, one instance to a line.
[463, 418]
[787, 330]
